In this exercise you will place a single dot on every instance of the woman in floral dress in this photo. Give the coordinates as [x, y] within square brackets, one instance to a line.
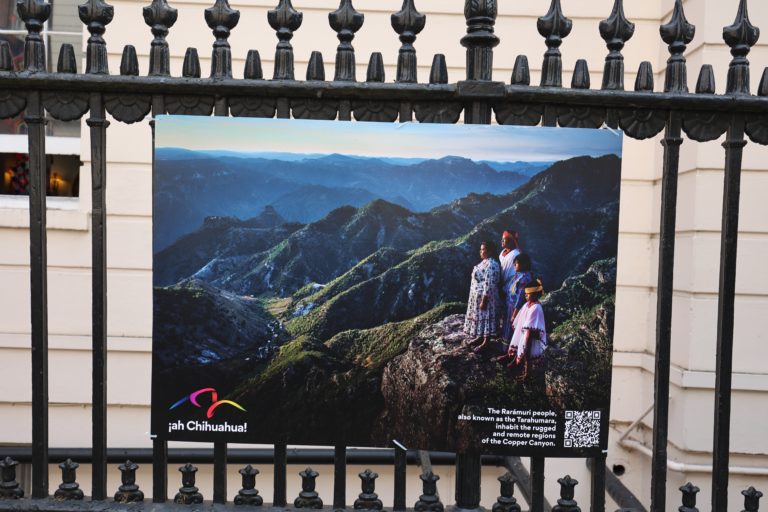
[483, 304]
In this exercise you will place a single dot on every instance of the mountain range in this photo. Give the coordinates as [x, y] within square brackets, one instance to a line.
[190, 186]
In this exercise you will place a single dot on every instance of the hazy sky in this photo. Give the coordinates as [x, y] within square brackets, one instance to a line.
[410, 140]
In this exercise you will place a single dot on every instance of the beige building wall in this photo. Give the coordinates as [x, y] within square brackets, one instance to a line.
[697, 255]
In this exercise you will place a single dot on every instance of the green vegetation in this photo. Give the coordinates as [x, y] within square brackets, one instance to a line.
[373, 348]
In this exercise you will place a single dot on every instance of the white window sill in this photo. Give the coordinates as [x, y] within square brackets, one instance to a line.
[62, 213]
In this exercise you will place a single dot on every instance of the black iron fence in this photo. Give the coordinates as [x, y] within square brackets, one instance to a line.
[130, 96]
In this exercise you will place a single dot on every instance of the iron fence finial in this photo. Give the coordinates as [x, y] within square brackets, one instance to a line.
[616, 30]
[249, 495]
[740, 36]
[160, 17]
[96, 15]
[345, 21]
[677, 34]
[408, 23]
[221, 19]
[34, 13]
[285, 20]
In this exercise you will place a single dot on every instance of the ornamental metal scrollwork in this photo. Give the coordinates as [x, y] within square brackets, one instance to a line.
[757, 129]
[438, 112]
[315, 109]
[65, 106]
[11, 104]
[375, 111]
[189, 105]
[127, 108]
[518, 114]
[252, 107]
[581, 117]
[641, 124]
[704, 126]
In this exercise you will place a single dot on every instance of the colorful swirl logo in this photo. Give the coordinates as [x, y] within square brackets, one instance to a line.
[215, 402]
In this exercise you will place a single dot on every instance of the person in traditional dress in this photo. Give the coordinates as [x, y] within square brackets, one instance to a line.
[510, 250]
[481, 320]
[515, 293]
[530, 337]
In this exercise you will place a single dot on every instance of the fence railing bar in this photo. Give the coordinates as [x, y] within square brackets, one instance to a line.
[740, 36]
[281, 89]
[677, 33]
[671, 142]
[597, 480]
[280, 465]
[468, 476]
[339, 477]
[361, 456]
[34, 15]
[159, 471]
[538, 500]
[734, 144]
[39, 293]
[98, 126]
[220, 472]
[401, 468]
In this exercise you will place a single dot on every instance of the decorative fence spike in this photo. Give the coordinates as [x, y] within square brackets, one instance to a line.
[521, 73]
[249, 495]
[188, 494]
[616, 30]
[252, 69]
[191, 67]
[438, 74]
[34, 13]
[9, 487]
[762, 88]
[480, 39]
[368, 499]
[706, 81]
[308, 497]
[689, 498]
[678, 33]
[67, 62]
[429, 501]
[375, 68]
[554, 27]
[6, 59]
[345, 21]
[128, 492]
[96, 14]
[68, 489]
[566, 503]
[316, 67]
[129, 63]
[221, 19]
[285, 20]
[741, 36]
[751, 499]
[160, 17]
[506, 502]
[644, 79]
[408, 23]
[580, 79]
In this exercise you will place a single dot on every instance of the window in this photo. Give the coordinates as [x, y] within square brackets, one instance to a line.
[62, 138]
[63, 175]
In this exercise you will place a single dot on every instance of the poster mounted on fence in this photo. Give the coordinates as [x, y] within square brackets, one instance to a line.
[441, 287]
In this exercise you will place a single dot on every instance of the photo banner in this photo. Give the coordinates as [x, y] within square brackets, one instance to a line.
[434, 287]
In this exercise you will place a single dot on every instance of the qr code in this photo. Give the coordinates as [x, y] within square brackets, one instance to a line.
[582, 429]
